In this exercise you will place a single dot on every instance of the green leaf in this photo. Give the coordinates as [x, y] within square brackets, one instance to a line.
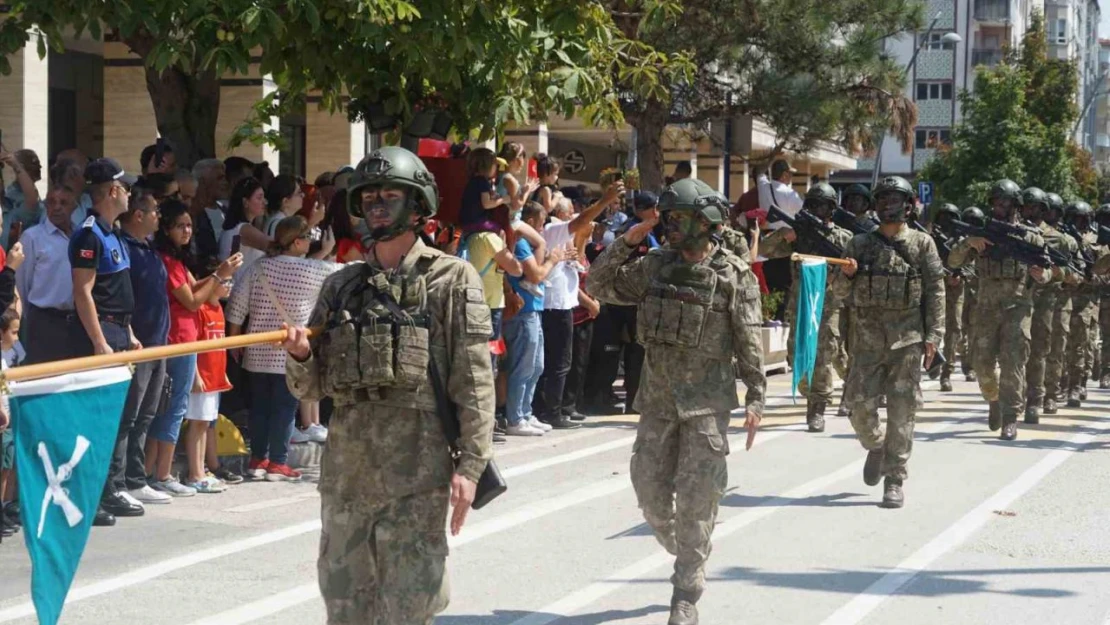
[312, 15]
[570, 87]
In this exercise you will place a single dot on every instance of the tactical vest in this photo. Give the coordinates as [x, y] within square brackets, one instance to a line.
[684, 308]
[366, 349]
[886, 279]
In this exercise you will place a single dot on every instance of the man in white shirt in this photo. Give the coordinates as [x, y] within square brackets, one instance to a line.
[560, 298]
[779, 191]
[44, 280]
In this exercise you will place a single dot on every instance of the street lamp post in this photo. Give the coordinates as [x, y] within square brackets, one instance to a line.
[952, 38]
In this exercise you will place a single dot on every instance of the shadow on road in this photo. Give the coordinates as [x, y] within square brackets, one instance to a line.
[925, 584]
[504, 617]
[737, 500]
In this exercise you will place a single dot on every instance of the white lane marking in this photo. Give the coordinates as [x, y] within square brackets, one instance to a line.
[875, 594]
[286, 599]
[272, 503]
[550, 443]
[147, 573]
[581, 598]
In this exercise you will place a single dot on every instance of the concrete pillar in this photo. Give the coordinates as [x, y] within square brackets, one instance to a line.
[23, 109]
[129, 122]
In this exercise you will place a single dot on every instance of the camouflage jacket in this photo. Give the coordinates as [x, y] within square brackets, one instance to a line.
[897, 294]
[689, 366]
[1003, 282]
[447, 292]
[775, 245]
[1060, 242]
[734, 241]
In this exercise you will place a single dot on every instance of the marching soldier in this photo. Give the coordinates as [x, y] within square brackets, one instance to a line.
[820, 201]
[954, 285]
[1084, 314]
[1061, 320]
[1102, 218]
[388, 476]
[974, 216]
[1004, 313]
[699, 306]
[896, 294]
[1045, 300]
[856, 200]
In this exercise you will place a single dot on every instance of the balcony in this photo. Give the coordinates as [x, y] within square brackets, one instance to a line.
[992, 11]
[986, 56]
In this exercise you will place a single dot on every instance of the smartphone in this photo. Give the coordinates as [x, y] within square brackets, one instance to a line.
[236, 244]
[14, 234]
[159, 151]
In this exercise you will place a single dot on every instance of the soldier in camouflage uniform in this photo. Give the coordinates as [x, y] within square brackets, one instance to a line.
[820, 201]
[856, 200]
[954, 284]
[699, 306]
[1045, 300]
[1004, 313]
[387, 476]
[1061, 322]
[896, 293]
[974, 216]
[1102, 218]
[1084, 314]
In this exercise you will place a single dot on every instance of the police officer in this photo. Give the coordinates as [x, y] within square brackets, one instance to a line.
[699, 306]
[1085, 309]
[896, 292]
[387, 476]
[1004, 313]
[954, 285]
[821, 202]
[1045, 300]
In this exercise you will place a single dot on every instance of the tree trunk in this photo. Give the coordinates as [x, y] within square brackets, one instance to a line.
[650, 124]
[186, 107]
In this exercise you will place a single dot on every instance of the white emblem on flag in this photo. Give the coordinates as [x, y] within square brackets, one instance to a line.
[55, 494]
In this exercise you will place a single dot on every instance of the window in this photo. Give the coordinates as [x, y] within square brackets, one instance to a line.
[934, 91]
[1060, 34]
[929, 139]
[934, 42]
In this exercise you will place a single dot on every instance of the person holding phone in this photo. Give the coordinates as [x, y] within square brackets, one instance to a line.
[247, 204]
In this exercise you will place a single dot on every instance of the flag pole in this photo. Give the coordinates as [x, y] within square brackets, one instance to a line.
[88, 363]
[832, 261]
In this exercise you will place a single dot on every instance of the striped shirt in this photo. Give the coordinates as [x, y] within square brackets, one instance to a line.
[296, 284]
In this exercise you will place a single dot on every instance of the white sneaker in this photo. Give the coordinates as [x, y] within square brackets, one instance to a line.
[317, 433]
[539, 425]
[147, 494]
[524, 428]
[299, 437]
[171, 486]
[131, 500]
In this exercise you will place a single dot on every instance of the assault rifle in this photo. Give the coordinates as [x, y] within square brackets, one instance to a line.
[809, 229]
[1008, 241]
[849, 222]
[1086, 254]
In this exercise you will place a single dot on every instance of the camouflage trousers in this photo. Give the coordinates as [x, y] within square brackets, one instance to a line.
[967, 316]
[1104, 332]
[1057, 356]
[1081, 348]
[679, 475]
[1002, 338]
[1040, 332]
[828, 348]
[895, 373]
[384, 564]
[953, 324]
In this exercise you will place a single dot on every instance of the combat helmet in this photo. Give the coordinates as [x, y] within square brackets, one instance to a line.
[691, 198]
[1077, 210]
[857, 189]
[823, 195]
[890, 212]
[1006, 189]
[974, 216]
[1033, 196]
[397, 166]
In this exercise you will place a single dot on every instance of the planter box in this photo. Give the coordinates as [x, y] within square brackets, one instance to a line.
[774, 347]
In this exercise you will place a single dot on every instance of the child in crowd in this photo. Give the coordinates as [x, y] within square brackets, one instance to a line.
[480, 197]
[204, 401]
[11, 350]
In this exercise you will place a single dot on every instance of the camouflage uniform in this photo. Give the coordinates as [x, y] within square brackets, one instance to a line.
[1046, 299]
[688, 390]
[1084, 330]
[967, 314]
[954, 343]
[843, 361]
[734, 241]
[829, 338]
[385, 475]
[887, 296]
[1003, 318]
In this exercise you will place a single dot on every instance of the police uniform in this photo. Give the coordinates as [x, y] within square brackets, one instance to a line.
[100, 247]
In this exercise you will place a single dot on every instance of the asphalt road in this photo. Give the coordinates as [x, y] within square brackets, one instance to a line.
[992, 532]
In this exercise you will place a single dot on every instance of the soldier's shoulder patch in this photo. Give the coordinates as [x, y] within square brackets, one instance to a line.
[475, 295]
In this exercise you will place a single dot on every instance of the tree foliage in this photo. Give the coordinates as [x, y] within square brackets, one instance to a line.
[484, 62]
[813, 70]
[1016, 124]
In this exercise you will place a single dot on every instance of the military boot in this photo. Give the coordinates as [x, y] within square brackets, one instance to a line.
[994, 421]
[970, 376]
[1074, 399]
[843, 410]
[1104, 381]
[892, 493]
[1050, 406]
[873, 467]
[815, 416]
[1033, 411]
[1009, 429]
[1083, 389]
[945, 383]
[933, 373]
[684, 609]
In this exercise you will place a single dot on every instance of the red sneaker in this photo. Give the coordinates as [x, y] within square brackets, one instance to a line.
[257, 468]
[282, 473]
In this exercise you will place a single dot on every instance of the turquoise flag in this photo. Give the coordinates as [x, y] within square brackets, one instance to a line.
[65, 431]
[807, 322]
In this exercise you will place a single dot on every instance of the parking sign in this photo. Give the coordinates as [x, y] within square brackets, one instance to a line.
[925, 192]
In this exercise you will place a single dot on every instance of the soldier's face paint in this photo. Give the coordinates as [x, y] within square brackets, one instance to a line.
[387, 210]
[1002, 208]
[1032, 212]
[891, 207]
[820, 208]
[857, 205]
[685, 229]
